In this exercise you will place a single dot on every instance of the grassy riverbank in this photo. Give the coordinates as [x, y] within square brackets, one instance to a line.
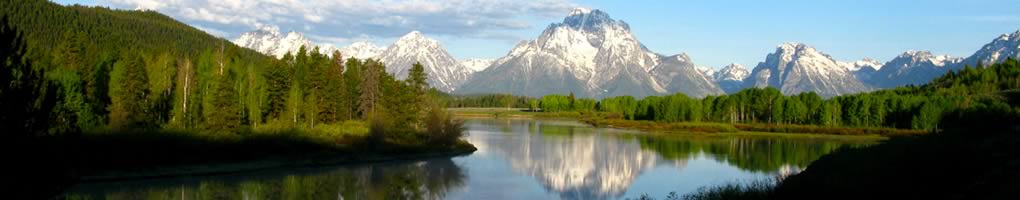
[50, 164]
[161, 153]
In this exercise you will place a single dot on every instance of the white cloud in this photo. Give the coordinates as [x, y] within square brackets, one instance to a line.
[342, 20]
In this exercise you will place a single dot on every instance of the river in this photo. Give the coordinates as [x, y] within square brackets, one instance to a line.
[516, 159]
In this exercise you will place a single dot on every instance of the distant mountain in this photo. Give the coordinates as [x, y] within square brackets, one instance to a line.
[920, 67]
[794, 68]
[272, 42]
[863, 69]
[912, 68]
[590, 55]
[444, 72]
[1002, 47]
[476, 64]
[731, 78]
[361, 50]
[677, 73]
[707, 71]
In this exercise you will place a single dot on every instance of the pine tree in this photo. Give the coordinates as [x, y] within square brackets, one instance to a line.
[26, 99]
[352, 81]
[129, 94]
[417, 90]
[226, 115]
[370, 89]
[336, 89]
[277, 85]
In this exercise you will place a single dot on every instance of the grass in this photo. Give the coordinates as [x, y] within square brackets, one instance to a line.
[101, 152]
[758, 189]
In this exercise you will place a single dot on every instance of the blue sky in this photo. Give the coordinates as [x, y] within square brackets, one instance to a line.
[713, 33]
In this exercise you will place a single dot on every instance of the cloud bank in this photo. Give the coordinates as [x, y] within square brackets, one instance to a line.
[339, 21]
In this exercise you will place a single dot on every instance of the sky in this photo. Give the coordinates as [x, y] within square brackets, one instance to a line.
[713, 33]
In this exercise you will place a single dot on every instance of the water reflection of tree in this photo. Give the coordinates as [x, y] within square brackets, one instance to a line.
[431, 179]
[752, 154]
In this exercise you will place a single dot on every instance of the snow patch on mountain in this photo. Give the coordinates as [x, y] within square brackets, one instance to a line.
[1003, 47]
[731, 78]
[477, 64]
[795, 68]
[271, 42]
[361, 50]
[913, 68]
[592, 55]
[444, 72]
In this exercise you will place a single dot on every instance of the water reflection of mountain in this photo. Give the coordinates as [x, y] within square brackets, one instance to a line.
[580, 162]
[572, 160]
[430, 179]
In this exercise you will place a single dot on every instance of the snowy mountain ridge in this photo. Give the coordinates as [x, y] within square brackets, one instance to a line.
[444, 72]
[592, 55]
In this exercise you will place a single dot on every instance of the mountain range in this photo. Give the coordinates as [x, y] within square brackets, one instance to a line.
[593, 55]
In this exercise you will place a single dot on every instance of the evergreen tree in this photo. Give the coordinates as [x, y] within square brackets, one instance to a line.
[26, 99]
[226, 116]
[277, 86]
[370, 89]
[352, 80]
[129, 94]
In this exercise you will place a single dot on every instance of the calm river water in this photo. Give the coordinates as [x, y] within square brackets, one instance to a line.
[516, 159]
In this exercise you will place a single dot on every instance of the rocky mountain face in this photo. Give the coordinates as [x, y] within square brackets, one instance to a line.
[677, 73]
[591, 55]
[863, 69]
[912, 68]
[920, 67]
[361, 50]
[794, 68]
[444, 72]
[272, 42]
[1003, 47]
[731, 78]
[476, 64]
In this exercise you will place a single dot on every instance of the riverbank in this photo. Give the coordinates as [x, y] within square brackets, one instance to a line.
[510, 113]
[713, 127]
[47, 165]
[103, 157]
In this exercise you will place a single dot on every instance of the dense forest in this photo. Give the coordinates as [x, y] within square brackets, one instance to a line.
[112, 70]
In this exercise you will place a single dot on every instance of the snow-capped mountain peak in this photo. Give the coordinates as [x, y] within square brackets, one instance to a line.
[580, 11]
[795, 67]
[863, 63]
[732, 72]
[361, 50]
[477, 64]
[444, 72]
[731, 78]
[270, 41]
[927, 57]
[592, 55]
[1001, 48]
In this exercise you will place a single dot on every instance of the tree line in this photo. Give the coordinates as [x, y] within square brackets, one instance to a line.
[908, 107]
